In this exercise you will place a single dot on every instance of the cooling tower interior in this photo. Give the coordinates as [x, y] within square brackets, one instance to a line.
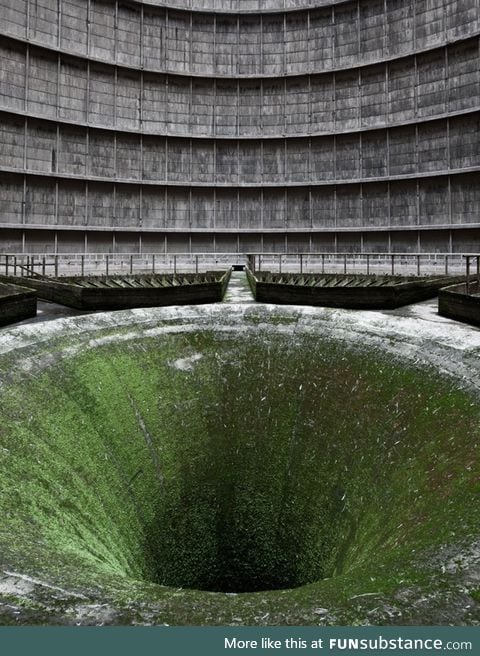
[239, 126]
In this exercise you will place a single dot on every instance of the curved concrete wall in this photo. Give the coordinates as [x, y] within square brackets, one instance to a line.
[347, 35]
[42, 83]
[349, 126]
[445, 146]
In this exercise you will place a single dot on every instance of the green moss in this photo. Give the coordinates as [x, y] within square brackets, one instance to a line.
[267, 463]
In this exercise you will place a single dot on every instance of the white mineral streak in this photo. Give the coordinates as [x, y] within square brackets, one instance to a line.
[187, 364]
[22, 583]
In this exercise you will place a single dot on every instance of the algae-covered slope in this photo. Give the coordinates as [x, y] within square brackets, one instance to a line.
[149, 474]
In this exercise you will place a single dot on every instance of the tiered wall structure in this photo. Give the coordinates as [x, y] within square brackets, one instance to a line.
[239, 125]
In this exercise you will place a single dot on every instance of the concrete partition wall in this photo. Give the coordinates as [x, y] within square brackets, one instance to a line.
[236, 125]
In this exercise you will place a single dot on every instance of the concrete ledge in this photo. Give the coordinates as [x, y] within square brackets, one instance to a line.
[123, 292]
[368, 292]
[16, 303]
[455, 303]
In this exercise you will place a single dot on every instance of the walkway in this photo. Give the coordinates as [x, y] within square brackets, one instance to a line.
[238, 290]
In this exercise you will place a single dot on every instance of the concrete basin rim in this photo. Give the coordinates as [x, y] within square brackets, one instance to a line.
[450, 347]
[39, 345]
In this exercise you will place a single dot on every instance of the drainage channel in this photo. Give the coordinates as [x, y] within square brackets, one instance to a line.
[238, 290]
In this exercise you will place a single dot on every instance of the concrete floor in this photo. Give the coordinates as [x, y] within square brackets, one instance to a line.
[47, 311]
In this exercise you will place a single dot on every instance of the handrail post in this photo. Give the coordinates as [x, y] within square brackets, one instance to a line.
[323, 262]
[153, 262]
[106, 263]
[174, 264]
[14, 265]
[82, 270]
[131, 264]
[196, 263]
[56, 266]
[43, 266]
[280, 264]
[468, 274]
[478, 273]
[368, 264]
[446, 264]
[345, 263]
[6, 265]
[301, 263]
[418, 265]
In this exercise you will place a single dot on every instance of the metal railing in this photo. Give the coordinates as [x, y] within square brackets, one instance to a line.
[79, 264]
[412, 264]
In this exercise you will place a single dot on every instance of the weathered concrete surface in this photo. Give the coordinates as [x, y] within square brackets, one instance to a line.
[414, 336]
[238, 290]
[16, 303]
[312, 130]
[117, 292]
[278, 44]
[346, 291]
[455, 303]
